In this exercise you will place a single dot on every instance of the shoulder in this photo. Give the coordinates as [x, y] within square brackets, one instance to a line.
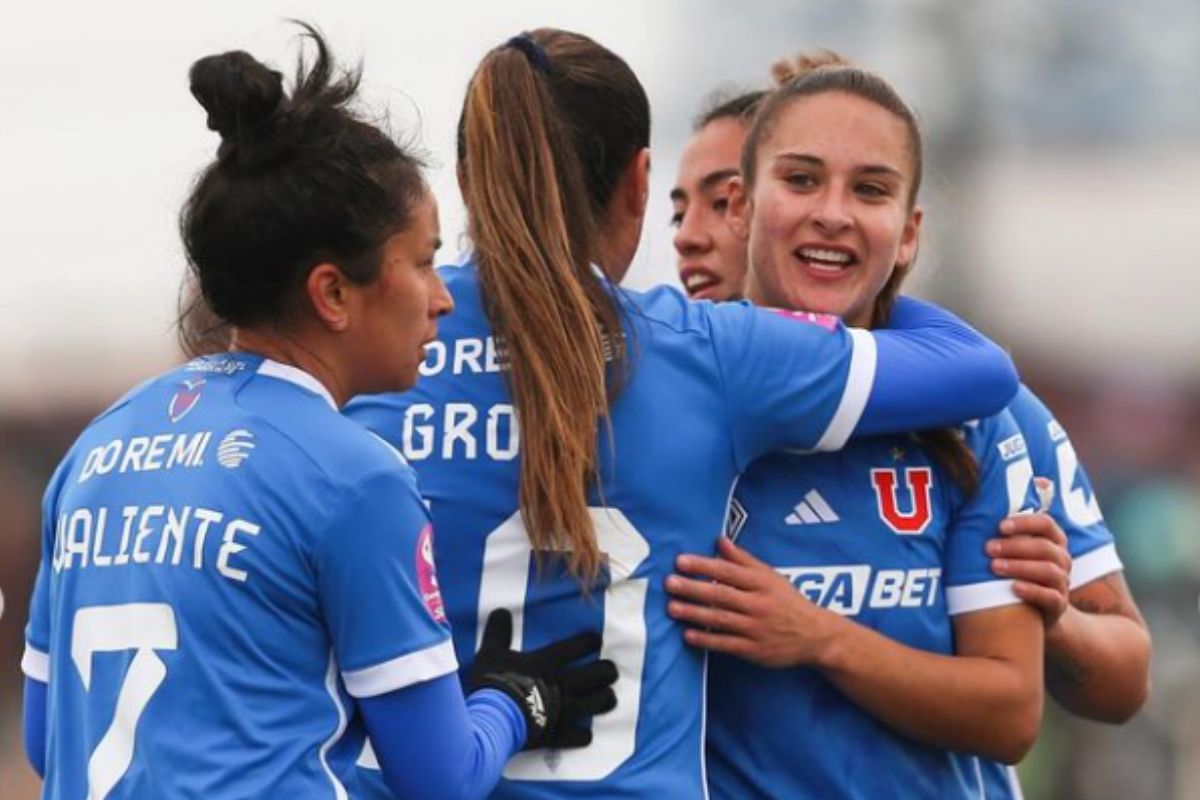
[668, 308]
[997, 436]
[1029, 410]
[333, 444]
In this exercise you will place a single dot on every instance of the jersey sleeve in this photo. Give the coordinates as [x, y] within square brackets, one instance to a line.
[35, 662]
[378, 589]
[1073, 503]
[1005, 488]
[795, 380]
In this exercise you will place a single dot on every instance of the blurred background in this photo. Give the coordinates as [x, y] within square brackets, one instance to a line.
[1063, 176]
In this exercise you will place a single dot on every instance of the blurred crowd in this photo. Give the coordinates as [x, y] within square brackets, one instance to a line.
[1138, 437]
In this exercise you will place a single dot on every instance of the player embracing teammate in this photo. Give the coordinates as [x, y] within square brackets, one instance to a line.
[842, 647]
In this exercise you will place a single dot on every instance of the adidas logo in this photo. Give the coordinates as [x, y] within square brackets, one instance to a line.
[812, 510]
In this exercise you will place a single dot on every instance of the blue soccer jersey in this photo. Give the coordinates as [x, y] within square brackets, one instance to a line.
[879, 533]
[227, 562]
[712, 389]
[1074, 507]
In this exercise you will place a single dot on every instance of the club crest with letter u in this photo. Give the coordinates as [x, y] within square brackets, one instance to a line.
[911, 517]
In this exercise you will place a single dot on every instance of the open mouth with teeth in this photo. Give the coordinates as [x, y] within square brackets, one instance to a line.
[826, 259]
[698, 281]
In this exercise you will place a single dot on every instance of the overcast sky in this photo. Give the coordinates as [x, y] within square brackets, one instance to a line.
[100, 138]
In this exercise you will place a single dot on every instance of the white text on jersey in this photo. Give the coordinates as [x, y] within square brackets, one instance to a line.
[459, 429]
[79, 540]
[146, 454]
[845, 589]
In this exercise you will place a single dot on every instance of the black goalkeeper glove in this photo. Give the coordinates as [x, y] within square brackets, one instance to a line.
[550, 692]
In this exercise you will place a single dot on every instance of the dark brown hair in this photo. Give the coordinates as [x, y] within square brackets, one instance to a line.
[550, 124]
[298, 180]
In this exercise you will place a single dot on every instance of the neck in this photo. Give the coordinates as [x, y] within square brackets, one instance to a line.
[295, 352]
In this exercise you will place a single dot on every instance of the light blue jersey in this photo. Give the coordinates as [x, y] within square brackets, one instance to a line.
[226, 563]
[712, 388]
[881, 534]
[1076, 510]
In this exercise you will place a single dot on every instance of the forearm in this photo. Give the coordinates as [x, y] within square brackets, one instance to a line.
[1098, 665]
[35, 724]
[975, 704]
[934, 370]
[430, 743]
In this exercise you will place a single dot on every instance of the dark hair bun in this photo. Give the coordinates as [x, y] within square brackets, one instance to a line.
[238, 92]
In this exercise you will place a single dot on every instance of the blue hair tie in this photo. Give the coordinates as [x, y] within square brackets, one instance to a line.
[532, 50]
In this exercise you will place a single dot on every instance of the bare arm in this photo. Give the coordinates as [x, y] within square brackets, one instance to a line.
[1097, 645]
[987, 699]
[1098, 655]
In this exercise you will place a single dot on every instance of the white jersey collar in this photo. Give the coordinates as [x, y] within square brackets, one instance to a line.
[291, 374]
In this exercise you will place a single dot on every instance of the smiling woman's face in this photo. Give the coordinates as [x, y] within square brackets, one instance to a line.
[710, 257]
[829, 208]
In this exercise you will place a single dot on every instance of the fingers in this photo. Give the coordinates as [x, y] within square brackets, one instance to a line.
[1030, 549]
[570, 737]
[705, 616]
[1037, 525]
[497, 633]
[590, 704]
[717, 569]
[1043, 574]
[1049, 602]
[737, 555]
[718, 642]
[566, 651]
[590, 677]
[710, 594]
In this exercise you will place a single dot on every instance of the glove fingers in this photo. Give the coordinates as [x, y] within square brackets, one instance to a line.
[589, 704]
[565, 651]
[567, 738]
[596, 675]
[497, 633]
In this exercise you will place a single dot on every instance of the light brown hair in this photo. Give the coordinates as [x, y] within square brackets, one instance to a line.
[550, 123]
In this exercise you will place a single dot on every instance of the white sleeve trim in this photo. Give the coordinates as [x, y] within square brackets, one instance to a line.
[859, 382]
[423, 665]
[36, 664]
[1096, 564]
[979, 596]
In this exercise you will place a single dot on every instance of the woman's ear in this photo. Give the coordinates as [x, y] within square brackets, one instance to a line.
[740, 208]
[329, 295]
[910, 238]
[638, 186]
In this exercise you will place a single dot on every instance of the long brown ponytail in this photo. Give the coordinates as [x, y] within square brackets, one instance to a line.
[535, 196]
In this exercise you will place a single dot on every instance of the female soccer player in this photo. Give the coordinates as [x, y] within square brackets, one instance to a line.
[573, 434]
[711, 256]
[838, 160]
[234, 576]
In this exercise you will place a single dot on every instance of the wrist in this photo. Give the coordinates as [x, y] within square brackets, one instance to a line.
[827, 636]
[1059, 635]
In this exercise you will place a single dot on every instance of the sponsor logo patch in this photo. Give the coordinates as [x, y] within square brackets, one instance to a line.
[235, 448]
[427, 576]
[849, 589]
[186, 397]
[223, 364]
[1012, 447]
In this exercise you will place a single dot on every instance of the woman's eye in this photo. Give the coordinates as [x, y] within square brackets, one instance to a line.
[801, 180]
[676, 219]
[873, 190]
[721, 205]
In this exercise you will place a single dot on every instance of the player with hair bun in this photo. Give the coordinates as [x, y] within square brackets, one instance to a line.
[573, 437]
[237, 582]
[888, 643]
